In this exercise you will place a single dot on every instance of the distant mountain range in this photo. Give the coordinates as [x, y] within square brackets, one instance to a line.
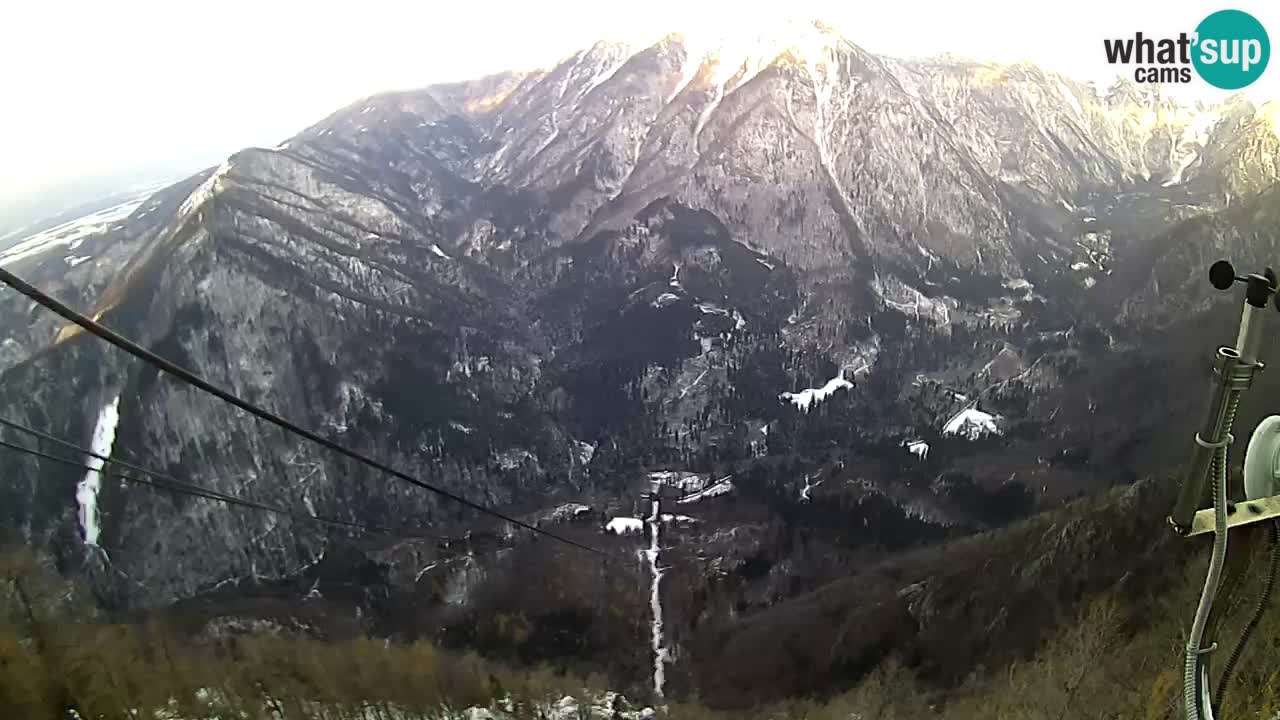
[28, 210]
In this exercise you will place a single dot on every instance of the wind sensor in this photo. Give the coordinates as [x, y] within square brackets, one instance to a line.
[1234, 369]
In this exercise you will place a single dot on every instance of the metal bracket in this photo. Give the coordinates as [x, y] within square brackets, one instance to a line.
[1241, 513]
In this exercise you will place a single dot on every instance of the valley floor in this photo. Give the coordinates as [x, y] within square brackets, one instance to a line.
[1113, 653]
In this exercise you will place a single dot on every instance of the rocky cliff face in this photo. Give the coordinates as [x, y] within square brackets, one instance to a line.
[871, 287]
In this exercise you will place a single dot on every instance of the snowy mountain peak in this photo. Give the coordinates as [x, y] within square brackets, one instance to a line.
[740, 50]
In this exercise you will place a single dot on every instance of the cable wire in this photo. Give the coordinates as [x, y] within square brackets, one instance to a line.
[201, 492]
[1264, 597]
[196, 381]
[162, 477]
[1196, 691]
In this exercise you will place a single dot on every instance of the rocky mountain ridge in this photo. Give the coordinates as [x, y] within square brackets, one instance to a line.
[886, 297]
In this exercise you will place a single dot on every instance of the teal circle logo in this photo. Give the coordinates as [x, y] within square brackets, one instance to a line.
[1232, 49]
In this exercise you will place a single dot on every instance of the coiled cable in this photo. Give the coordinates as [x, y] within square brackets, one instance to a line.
[1264, 598]
[1195, 679]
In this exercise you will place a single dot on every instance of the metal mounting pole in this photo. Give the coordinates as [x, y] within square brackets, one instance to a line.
[1233, 371]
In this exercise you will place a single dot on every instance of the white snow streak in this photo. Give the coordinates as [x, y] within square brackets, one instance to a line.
[822, 126]
[495, 162]
[665, 299]
[439, 253]
[809, 485]
[678, 519]
[1070, 97]
[554, 119]
[104, 437]
[688, 70]
[692, 385]
[425, 570]
[1182, 168]
[806, 399]
[661, 655]
[705, 115]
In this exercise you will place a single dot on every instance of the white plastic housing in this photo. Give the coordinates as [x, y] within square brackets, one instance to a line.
[1262, 460]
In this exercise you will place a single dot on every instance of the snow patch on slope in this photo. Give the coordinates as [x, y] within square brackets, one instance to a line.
[806, 399]
[919, 448]
[971, 423]
[624, 525]
[584, 451]
[568, 511]
[721, 487]
[70, 234]
[681, 480]
[910, 301]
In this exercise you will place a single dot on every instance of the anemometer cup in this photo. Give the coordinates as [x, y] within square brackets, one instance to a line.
[1222, 275]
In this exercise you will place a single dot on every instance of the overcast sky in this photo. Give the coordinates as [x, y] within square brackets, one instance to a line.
[94, 87]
